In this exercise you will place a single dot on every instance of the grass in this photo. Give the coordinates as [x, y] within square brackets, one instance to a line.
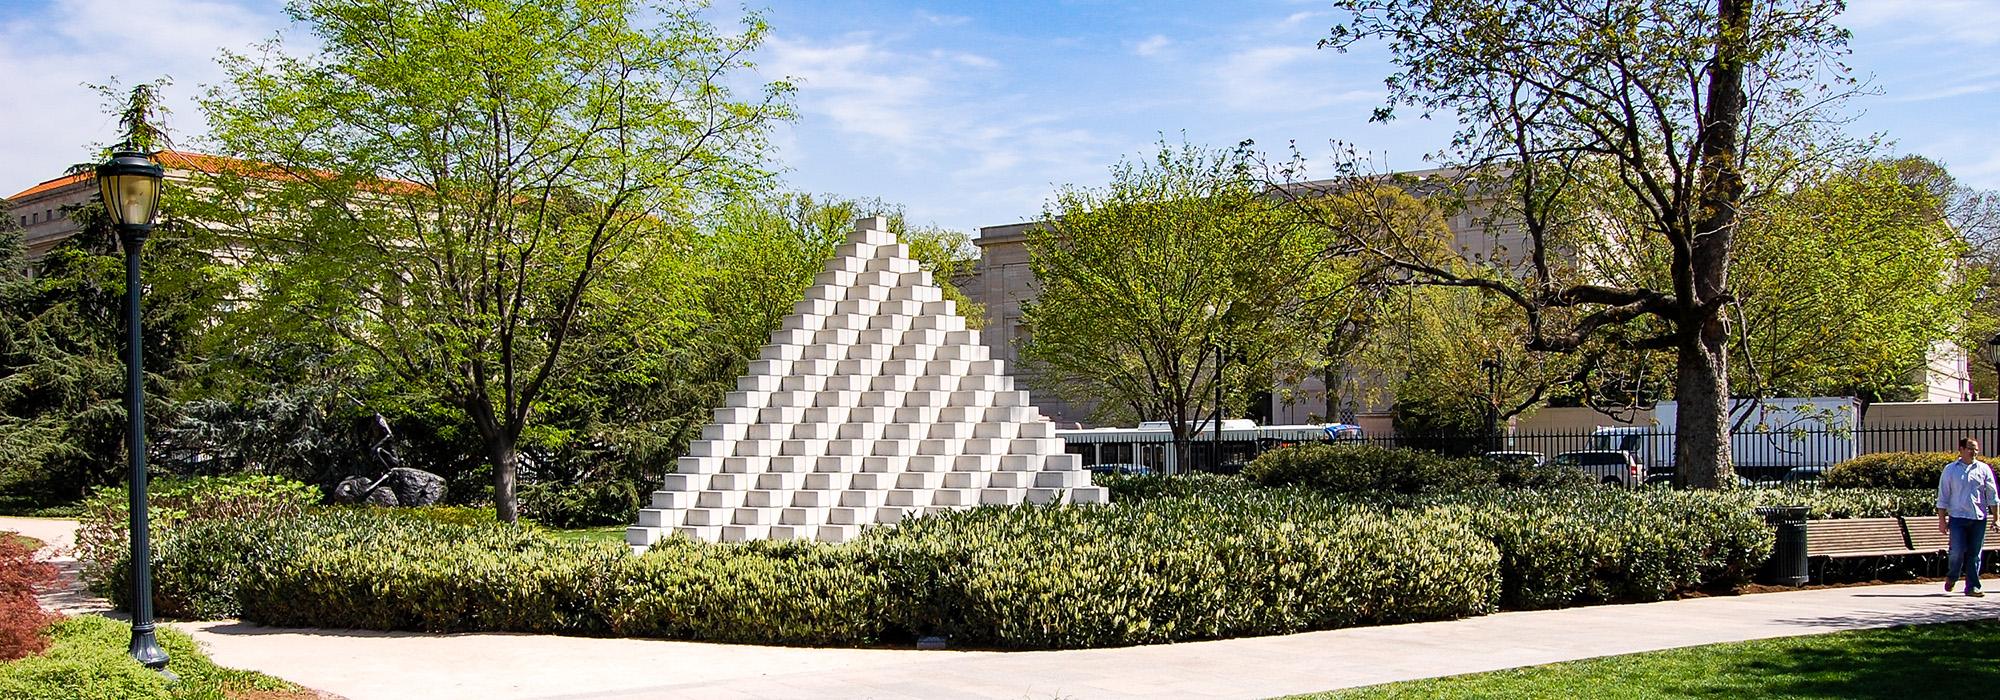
[31, 543]
[614, 534]
[86, 660]
[1951, 660]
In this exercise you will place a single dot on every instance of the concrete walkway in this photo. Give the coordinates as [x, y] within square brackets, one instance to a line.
[367, 665]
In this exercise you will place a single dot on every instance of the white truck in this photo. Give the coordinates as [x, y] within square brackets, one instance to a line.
[1768, 438]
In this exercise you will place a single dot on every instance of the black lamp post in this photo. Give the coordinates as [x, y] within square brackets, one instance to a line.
[1993, 358]
[130, 185]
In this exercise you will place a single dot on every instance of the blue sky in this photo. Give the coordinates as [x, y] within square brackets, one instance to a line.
[970, 114]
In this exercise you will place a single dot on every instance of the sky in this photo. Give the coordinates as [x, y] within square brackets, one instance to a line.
[971, 114]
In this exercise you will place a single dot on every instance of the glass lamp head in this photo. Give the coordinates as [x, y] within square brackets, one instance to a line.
[130, 184]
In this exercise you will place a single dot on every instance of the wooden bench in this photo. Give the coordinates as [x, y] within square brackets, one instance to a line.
[1858, 538]
[1925, 538]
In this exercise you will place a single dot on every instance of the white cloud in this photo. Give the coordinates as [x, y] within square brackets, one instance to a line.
[1282, 78]
[943, 20]
[1921, 22]
[1152, 45]
[1294, 20]
[965, 58]
[944, 121]
[1959, 90]
[847, 84]
[48, 53]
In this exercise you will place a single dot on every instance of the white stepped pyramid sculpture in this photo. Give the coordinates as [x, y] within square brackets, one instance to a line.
[873, 403]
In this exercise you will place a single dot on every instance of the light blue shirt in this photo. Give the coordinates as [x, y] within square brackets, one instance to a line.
[1967, 490]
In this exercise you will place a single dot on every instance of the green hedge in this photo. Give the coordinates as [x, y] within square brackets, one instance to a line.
[1824, 502]
[1366, 469]
[104, 548]
[1030, 577]
[1891, 470]
[1178, 569]
[1229, 561]
[1126, 488]
[1598, 545]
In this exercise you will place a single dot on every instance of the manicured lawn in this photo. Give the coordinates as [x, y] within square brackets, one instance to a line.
[87, 660]
[1955, 660]
[614, 534]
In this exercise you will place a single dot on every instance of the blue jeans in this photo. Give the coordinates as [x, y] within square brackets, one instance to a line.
[1968, 538]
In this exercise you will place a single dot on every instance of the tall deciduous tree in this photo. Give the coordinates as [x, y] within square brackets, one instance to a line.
[471, 192]
[1459, 366]
[1148, 284]
[1846, 283]
[1664, 104]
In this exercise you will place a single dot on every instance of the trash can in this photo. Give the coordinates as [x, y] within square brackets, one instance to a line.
[1787, 566]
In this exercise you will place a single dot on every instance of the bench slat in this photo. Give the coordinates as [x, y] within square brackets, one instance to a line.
[1882, 537]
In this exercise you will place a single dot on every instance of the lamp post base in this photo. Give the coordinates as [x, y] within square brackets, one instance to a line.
[146, 650]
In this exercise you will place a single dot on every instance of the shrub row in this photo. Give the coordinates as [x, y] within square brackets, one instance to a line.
[1582, 546]
[1014, 577]
[1891, 470]
[1366, 469]
[1225, 563]
[103, 541]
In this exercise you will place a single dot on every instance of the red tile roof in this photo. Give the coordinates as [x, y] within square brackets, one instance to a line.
[55, 184]
[182, 160]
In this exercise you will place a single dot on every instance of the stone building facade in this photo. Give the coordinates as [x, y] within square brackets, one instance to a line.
[1003, 282]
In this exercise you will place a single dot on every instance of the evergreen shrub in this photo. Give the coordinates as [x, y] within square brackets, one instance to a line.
[1371, 470]
[1130, 488]
[1890, 470]
[588, 504]
[1232, 561]
[1030, 577]
[1583, 546]
[104, 547]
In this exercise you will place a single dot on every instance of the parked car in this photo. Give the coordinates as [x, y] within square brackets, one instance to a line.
[1124, 469]
[1800, 475]
[1609, 466]
[1520, 457]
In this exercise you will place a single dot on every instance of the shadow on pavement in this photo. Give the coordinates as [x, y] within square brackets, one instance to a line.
[1946, 609]
[247, 629]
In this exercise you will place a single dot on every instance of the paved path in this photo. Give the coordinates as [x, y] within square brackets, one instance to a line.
[369, 665]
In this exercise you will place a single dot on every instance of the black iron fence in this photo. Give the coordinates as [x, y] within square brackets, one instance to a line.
[1764, 455]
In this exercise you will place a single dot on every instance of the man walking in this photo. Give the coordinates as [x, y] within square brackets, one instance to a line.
[1966, 496]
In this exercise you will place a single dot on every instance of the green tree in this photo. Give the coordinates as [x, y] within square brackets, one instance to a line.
[1662, 107]
[62, 379]
[1844, 284]
[1458, 365]
[1147, 285]
[482, 195]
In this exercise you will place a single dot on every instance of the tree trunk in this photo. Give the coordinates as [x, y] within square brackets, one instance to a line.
[1701, 425]
[505, 464]
[1330, 376]
[1701, 449]
[501, 455]
[1183, 448]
